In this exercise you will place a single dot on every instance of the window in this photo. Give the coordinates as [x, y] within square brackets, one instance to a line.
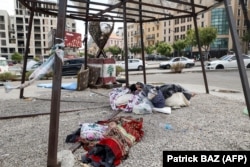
[238, 22]
[3, 42]
[2, 27]
[1, 18]
[176, 21]
[2, 35]
[219, 21]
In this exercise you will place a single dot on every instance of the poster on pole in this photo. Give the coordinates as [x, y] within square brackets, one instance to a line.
[73, 39]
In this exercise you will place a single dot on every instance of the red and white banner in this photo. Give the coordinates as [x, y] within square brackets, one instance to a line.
[73, 39]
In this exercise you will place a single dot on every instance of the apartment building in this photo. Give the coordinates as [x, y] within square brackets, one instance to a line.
[14, 31]
[172, 30]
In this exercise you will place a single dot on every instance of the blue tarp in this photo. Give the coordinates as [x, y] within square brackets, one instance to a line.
[67, 86]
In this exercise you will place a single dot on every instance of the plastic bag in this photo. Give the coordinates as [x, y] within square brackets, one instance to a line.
[145, 107]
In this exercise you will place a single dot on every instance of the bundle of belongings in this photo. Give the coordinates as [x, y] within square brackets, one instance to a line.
[108, 142]
[143, 99]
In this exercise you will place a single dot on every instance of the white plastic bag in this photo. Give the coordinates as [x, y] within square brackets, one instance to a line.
[145, 107]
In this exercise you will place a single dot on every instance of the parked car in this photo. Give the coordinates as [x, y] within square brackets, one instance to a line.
[183, 60]
[72, 66]
[150, 57]
[133, 64]
[16, 70]
[3, 65]
[161, 57]
[227, 61]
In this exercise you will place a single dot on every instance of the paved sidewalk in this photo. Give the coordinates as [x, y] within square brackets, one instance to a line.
[34, 91]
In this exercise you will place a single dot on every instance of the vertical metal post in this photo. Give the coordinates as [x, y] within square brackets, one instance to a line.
[200, 52]
[86, 44]
[86, 37]
[27, 46]
[199, 46]
[56, 90]
[142, 43]
[125, 42]
[237, 48]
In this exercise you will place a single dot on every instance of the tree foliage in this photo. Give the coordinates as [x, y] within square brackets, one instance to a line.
[115, 50]
[16, 57]
[149, 49]
[135, 50]
[246, 39]
[164, 48]
[206, 35]
[179, 45]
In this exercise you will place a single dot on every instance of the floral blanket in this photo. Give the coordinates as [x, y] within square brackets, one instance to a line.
[128, 107]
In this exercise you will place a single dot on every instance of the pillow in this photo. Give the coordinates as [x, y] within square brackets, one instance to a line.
[122, 100]
[177, 100]
[92, 131]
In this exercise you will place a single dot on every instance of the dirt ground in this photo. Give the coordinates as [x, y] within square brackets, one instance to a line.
[209, 123]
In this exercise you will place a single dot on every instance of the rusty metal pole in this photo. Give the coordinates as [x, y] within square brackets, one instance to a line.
[199, 47]
[56, 90]
[27, 46]
[237, 48]
[86, 37]
[142, 44]
[86, 45]
[200, 52]
[125, 42]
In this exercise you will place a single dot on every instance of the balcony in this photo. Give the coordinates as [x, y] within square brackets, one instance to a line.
[150, 37]
[137, 34]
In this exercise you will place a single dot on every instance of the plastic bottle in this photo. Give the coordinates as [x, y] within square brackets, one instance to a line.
[166, 126]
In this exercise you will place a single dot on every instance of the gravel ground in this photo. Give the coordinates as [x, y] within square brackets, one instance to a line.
[209, 123]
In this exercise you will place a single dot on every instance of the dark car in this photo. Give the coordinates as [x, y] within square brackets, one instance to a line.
[150, 57]
[161, 57]
[72, 66]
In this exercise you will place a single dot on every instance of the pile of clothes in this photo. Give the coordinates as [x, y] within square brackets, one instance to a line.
[108, 142]
[143, 99]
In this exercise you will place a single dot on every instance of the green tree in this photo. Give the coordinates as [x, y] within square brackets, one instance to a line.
[115, 50]
[246, 40]
[17, 57]
[179, 45]
[149, 49]
[135, 50]
[164, 48]
[190, 39]
[80, 54]
[206, 35]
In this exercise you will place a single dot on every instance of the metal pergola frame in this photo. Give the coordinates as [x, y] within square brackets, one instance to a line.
[126, 11]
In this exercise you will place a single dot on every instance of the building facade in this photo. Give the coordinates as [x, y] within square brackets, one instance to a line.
[172, 30]
[14, 31]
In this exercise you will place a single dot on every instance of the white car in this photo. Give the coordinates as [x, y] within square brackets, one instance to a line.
[183, 60]
[133, 64]
[227, 61]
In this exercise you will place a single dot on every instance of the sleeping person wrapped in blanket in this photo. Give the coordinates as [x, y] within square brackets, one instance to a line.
[144, 98]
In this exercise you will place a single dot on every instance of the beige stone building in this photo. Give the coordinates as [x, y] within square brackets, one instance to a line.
[14, 30]
[172, 30]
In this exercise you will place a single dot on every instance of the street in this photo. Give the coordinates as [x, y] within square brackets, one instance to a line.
[228, 79]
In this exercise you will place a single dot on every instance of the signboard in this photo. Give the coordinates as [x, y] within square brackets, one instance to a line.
[51, 38]
[73, 39]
